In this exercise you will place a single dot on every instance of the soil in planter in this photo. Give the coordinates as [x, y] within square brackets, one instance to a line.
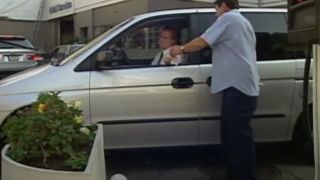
[57, 162]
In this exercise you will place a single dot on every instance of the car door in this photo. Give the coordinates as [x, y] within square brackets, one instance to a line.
[144, 105]
[276, 66]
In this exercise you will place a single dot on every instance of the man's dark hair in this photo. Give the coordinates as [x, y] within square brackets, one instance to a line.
[174, 31]
[232, 4]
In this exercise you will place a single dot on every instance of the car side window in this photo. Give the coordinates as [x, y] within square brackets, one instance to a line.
[204, 22]
[139, 46]
[271, 34]
[272, 37]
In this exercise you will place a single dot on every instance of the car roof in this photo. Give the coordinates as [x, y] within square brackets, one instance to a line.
[204, 10]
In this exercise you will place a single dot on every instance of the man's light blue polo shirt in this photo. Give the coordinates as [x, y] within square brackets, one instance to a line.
[233, 42]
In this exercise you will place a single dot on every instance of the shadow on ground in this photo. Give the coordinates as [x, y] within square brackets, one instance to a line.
[275, 162]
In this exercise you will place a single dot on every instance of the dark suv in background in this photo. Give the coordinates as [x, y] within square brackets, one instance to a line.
[17, 53]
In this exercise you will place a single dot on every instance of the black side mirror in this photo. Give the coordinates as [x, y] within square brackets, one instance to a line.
[104, 58]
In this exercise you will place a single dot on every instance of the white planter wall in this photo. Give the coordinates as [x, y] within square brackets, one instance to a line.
[95, 169]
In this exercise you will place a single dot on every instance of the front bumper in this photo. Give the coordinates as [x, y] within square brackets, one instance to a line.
[3, 116]
[10, 103]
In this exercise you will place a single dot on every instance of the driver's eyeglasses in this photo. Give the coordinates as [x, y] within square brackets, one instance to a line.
[166, 38]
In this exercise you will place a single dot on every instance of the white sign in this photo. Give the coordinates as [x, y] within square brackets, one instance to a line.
[60, 7]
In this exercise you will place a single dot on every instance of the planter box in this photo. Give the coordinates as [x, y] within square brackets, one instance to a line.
[95, 169]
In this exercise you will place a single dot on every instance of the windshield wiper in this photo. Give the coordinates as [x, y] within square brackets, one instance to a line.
[17, 45]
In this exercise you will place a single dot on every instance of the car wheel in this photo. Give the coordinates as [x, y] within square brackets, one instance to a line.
[303, 137]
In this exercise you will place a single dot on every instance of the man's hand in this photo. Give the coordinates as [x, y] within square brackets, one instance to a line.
[175, 50]
[168, 59]
[195, 45]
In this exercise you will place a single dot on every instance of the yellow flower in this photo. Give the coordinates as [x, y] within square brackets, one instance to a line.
[69, 105]
[78, 119]
[42, 107]
[85, 130]
[77, 104]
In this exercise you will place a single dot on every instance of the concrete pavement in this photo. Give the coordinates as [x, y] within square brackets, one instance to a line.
[203, 163]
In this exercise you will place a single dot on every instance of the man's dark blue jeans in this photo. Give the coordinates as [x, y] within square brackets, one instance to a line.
[236, 134]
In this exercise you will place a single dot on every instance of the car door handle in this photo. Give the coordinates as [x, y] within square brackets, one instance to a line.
[182, 83]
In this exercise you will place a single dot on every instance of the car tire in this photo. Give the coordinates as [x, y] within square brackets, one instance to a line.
[303, 138]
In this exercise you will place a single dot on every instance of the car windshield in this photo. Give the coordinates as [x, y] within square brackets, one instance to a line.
[92, 43]
[15, 43]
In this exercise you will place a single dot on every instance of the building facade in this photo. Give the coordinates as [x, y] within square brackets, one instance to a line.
[54, 22]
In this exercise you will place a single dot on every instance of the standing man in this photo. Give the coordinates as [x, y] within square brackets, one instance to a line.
[234, 74]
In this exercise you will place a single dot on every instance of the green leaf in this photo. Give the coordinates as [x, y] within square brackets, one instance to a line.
[46, 129]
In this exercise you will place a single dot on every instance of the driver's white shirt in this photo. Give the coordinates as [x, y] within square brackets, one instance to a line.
[166, 54]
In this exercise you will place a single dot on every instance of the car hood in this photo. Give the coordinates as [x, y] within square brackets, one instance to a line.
[43, 79]
[17, 80]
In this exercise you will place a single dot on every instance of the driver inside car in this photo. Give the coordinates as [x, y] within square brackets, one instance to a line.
[168, 37]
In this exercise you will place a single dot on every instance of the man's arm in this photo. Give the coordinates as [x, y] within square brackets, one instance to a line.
[194, 45]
